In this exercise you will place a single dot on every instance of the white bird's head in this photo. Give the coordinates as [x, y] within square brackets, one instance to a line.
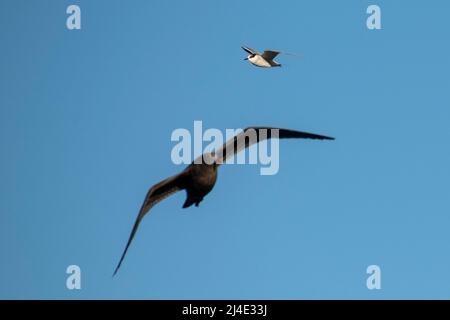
[250, 56]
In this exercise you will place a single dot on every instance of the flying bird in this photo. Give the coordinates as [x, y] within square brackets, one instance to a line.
[199, 178]
[264, 60]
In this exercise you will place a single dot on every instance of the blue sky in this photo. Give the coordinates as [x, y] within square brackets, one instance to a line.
[86, 118]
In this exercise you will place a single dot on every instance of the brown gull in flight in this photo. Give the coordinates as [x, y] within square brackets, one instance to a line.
[199, 177]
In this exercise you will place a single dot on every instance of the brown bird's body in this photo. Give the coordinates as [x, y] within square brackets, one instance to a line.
[199, 178]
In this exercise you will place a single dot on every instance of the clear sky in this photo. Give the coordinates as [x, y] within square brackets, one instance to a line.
[85, 123]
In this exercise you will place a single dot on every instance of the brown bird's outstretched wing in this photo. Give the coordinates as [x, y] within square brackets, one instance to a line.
[252, 135]
[156, 193]
[270, 54]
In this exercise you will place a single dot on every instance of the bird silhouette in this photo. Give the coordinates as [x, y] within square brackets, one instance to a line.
[264, 60]
[199, 178]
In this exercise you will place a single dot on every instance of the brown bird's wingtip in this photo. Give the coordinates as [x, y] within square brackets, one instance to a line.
[116, 270]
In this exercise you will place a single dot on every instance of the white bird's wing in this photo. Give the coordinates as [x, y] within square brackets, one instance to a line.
[250, 50]
[252, 135]
[270, 54]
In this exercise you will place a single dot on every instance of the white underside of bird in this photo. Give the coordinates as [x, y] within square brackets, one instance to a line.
[259, 61]
[264, 60]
